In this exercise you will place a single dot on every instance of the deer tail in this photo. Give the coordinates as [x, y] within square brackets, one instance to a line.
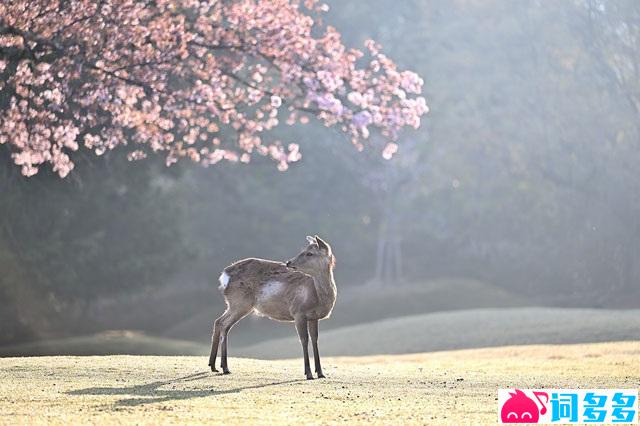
[224, 281]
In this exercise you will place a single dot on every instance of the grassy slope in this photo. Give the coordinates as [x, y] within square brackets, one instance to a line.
[418, 333]
[107, 343]
[457, 387]
[359, 305]
[463, 329]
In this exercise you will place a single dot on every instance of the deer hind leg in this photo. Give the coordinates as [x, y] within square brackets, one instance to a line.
[215, 339]
[227, 322]
[313, 332]
[303, 333]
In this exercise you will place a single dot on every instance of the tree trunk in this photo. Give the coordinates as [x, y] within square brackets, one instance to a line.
[388, 269]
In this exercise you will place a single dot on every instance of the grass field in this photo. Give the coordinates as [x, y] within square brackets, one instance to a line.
[457, 387]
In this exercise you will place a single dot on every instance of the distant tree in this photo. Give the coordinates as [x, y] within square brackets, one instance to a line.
[612, 37]
[108, 229]
[529, 176]
[197, 79]
[610, 34]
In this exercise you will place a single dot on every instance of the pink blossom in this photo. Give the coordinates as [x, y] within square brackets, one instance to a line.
[390, 149]
[276, 101]
[136, 155]
[193, 80]
[362, 119]
[355, 98]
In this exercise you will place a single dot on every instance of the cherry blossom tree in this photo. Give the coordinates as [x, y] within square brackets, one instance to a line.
[204, 80]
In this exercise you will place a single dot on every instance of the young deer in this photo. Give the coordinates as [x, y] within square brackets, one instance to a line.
[302, 291]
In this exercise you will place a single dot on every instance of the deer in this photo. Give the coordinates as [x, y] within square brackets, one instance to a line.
[301, 290]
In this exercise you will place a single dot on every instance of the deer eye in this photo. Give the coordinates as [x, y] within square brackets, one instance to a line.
[308, 254]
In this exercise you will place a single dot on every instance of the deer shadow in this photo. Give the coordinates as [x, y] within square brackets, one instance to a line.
[151, 393]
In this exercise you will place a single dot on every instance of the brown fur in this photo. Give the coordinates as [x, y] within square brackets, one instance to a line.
[302, 291]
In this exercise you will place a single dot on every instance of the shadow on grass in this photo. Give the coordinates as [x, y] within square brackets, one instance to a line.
[151, 393]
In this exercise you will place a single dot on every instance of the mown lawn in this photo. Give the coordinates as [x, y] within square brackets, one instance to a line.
[456, 387]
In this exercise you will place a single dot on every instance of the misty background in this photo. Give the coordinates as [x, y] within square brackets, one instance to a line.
[518, 198]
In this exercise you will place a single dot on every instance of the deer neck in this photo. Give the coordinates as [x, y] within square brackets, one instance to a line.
[325, 286]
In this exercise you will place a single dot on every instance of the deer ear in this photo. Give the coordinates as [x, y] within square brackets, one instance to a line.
[311, 240]
[323, 245]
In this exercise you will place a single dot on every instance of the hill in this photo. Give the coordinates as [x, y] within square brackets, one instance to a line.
[107, 343]
[416, 333]
[360, 304]
[463, 329]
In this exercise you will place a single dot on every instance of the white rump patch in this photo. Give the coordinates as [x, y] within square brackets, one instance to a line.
[224, 280]
[270, 289]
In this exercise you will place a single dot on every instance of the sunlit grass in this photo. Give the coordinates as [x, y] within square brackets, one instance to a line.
[458, 387]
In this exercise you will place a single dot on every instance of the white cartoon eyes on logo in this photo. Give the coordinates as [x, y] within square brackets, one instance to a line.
[524, 416]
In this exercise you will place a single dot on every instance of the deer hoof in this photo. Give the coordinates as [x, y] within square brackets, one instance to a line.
[213, 368]
[226, 372]
[310, 377]
[321, 376]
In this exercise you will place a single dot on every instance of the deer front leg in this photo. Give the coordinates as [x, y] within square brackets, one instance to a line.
[303, 333]
[313, 331]
[223, 352]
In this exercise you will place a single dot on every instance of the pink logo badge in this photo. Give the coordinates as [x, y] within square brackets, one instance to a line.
[519, 408]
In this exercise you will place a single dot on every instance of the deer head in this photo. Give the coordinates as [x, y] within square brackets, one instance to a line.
[317, 256]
